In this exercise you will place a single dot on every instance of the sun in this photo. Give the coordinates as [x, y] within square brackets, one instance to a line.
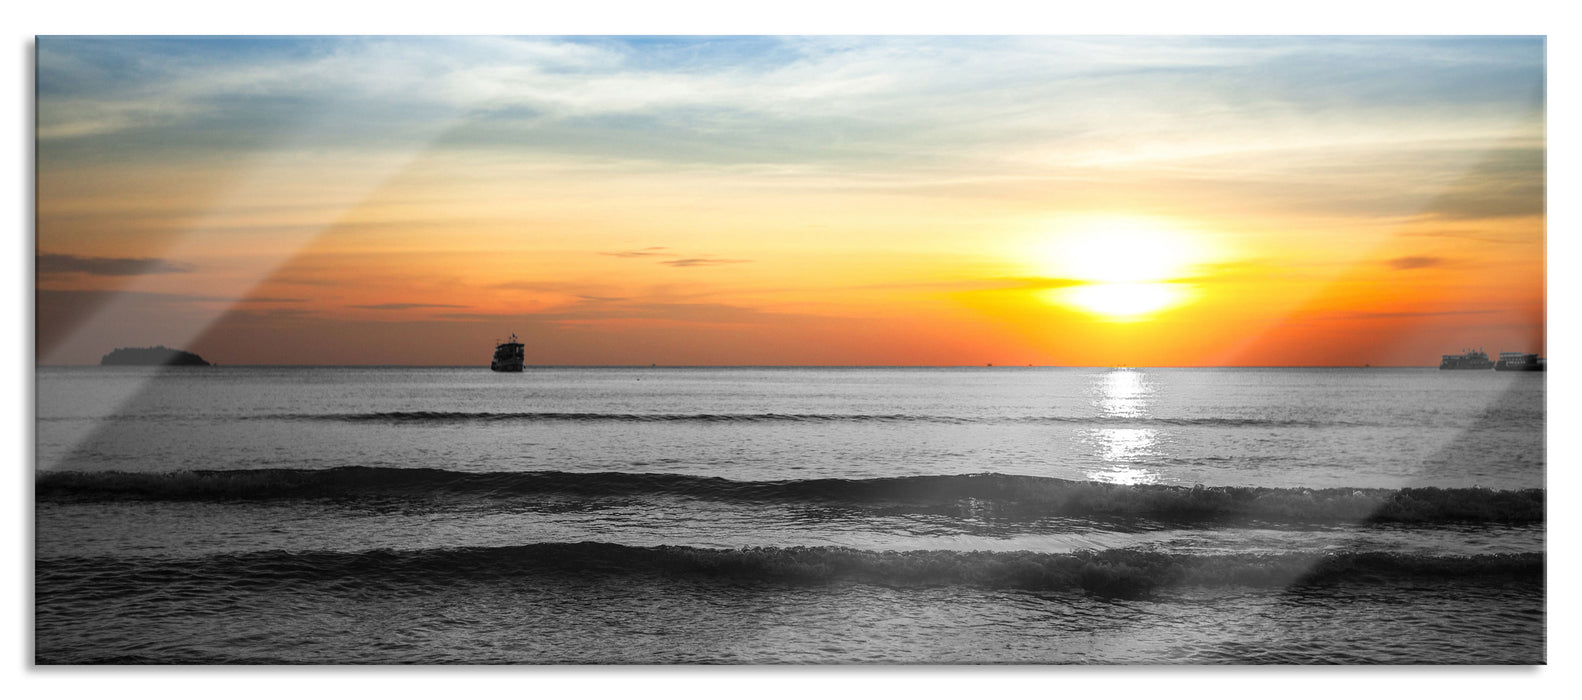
[1125, 269]
[1123, 302]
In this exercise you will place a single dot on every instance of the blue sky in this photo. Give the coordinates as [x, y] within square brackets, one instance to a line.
[118, 92]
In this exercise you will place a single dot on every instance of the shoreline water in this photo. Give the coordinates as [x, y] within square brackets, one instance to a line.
[291, 515]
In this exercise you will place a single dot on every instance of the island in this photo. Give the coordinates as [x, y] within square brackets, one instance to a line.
[158, 355]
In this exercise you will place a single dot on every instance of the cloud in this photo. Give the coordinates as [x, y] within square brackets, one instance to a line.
[1415, 262]
[600, 311]
[404, 306]
[59, 264]
[992, 284]
[1507, 181]
[240, 314]
[1370, 315]
[766, 100]
[165, 297]
[659, 252]
[320, 277]
[585, 291]
[701, 262]
[1480, 236]
[644, 253]
[1293, 124]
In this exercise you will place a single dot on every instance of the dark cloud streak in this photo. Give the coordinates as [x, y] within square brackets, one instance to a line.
[655, 252]
[644, 253]
[1415, 262]
[656, 311]
[404, 306]
[60, 264]
[1374, 315]
[993, 284]
[702, 262]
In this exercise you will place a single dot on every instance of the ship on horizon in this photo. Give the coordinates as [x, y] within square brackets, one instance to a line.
[508, 356]
[1520, 362]
[1468, 359]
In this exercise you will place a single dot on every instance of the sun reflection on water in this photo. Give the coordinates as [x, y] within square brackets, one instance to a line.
[1123, 452]
[1122, 393]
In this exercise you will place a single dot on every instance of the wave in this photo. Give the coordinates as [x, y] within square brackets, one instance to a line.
[1117, 573]
[979, 495]
[439, 417]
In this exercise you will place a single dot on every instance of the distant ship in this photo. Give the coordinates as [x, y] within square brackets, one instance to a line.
[1468, 359]
[508, 356]
[1519, 362]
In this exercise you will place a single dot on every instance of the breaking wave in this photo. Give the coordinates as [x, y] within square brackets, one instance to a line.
[1114, 573]
[1003, 495]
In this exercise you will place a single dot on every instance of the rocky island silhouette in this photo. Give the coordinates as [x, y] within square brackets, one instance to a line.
[158, 355]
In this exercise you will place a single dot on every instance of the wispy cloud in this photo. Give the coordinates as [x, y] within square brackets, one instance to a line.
[1415, 262]
[1371, 315]
[1293, 123]
[1507, 181]
[1480, 236]
[991, 284]
[142, 297]
[677, 260]
[59, 264]
[404, 306]
[997, 101]
[692, 313]
[656, 251]
[702, 262]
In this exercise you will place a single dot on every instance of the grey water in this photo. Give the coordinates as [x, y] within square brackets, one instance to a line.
[789, 515]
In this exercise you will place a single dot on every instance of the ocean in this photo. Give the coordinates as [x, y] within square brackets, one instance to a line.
[657, 515]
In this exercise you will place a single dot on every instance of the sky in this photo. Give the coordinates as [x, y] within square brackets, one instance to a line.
[910, 200]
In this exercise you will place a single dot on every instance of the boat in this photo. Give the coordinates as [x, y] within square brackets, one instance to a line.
[1520, 362]
[1468, 359]
[508, 356]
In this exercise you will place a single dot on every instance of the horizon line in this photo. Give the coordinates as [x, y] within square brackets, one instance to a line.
[751, 366]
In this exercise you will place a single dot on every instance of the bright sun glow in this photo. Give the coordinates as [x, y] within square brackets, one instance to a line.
[1126, 267]
[1121, 253]
[1122, 302]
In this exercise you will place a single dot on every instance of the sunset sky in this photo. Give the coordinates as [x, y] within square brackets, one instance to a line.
[1093, 201]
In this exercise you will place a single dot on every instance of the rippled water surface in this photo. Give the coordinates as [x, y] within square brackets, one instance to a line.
[658, 515]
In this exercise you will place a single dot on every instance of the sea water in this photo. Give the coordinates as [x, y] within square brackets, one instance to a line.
[789, 515]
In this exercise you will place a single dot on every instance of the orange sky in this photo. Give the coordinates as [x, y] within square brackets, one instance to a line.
[805, 201]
